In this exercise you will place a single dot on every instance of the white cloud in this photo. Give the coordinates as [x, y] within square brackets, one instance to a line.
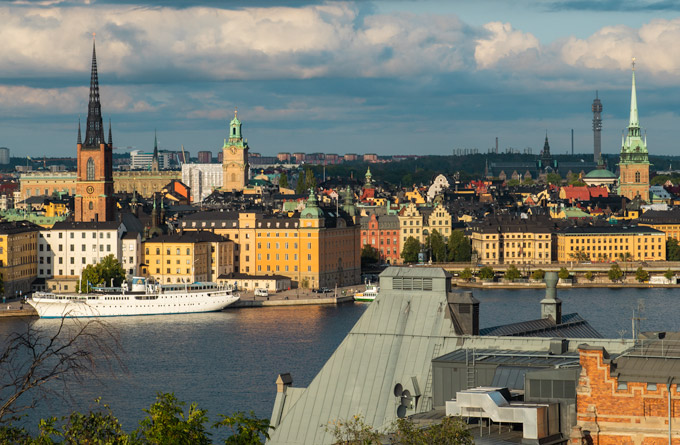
[501, 43]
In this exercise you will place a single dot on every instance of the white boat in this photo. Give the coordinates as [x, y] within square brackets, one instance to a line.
[368, 295]
[144, 299]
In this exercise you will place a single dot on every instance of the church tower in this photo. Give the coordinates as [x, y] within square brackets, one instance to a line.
[94, 184]
[235, 166]
[634, 160]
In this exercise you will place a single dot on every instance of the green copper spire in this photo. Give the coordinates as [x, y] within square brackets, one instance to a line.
[634, 121]
[235, 126]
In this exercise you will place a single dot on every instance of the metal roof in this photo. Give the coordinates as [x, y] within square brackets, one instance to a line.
[508, 357]
[404, 271]
[572, 326]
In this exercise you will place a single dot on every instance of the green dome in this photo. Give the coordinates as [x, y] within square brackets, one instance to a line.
[312, 210]
[600, 174]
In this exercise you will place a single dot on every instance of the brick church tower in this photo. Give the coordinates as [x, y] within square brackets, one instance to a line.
[634, 160]
[94, 185]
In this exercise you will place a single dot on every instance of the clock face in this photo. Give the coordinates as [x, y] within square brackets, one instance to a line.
[90, 189]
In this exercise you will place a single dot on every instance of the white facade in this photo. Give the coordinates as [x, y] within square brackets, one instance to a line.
[142, 161]
[202, 178]
[131, 255]
[67, 248]
[439, 184]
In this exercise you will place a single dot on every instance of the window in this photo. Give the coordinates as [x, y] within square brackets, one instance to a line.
[90, 169]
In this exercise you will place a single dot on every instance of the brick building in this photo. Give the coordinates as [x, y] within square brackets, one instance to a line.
[625, 400]
[382, 233]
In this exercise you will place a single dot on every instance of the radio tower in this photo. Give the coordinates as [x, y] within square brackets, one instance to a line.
[597, 128]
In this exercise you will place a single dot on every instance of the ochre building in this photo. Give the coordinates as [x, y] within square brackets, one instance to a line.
[18, 256]
[611, 243]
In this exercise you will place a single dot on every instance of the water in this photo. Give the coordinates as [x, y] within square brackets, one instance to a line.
[228, 361]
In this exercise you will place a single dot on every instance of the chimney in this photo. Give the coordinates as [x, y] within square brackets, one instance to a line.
[464, 312]
[551, 306]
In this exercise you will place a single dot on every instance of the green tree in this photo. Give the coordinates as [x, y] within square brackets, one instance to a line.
[641, 275]
[245, 429]
[615, 273]
[669, 274]
[450, 431]
[166, 422]
[579, 256]
[563, 274]
[437, 246]
[369, 255]
[283, 180]
[672, 250]
[589, 276]
[538, 275]
[354, 431]
[410, 251]
[466, 274]
[513, 183]
[512, 273]
[554, 178]
[459, 247]
[528, 181]
[486, 273]
[101, 274]
[659, 180]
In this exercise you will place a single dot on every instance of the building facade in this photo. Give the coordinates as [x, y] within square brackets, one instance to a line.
[611, 243]
[634, 159]
[94, 185]
[235, 158]
[506, 239]
[203, 179]
[187, 257]
[144, 182]
[18, 256]
[667, 221]
[204, 157]
[382, 233]
[420, 222]
[46, 183]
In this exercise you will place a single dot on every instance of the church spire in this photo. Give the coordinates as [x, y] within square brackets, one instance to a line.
[110, 134]
[154, 161]
[80, 139]
[94, 132]
[634, 121]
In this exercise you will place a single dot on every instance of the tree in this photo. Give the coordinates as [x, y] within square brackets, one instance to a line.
[641, 275]
[486, 273]
[310, 179]
[669, 274]
[63, 355]
[437, 246]
[101, 274]
[528, 181]
[459, 247]
[513, 183]
[538, 275]
[466, 274]
[553, 178]
[369, 255]
[166, 422]
[672, 250]
[563, 274]
[579, 256]
[451, 431]
[615, 273]
[245, 429]
[283, 180]
[354, 431]
[512, 273]
[589, 276]
[411, 250]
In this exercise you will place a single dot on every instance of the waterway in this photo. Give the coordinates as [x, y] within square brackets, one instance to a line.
[228, 361]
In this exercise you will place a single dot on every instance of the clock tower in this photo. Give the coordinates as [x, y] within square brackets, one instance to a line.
[235, 166]
[94, 183]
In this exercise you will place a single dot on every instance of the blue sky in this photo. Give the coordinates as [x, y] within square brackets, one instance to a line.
[390, 77]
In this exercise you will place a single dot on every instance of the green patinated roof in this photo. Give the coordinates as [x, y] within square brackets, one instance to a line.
[312, 211]
[600, 174]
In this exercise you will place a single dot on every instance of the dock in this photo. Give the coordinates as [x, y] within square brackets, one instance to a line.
[296, 297]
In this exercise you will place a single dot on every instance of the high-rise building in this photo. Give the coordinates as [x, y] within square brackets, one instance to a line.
[204, 157]
[597, 128]
[94, 185]
[4, 155]
[235, 159]
[634, 159]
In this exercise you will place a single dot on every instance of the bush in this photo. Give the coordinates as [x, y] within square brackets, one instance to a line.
[512, 273]
[486, 273]
[466, 274]
[641, 275]
[563, 274]
[590, 276]
[538, 275]
[615, 273]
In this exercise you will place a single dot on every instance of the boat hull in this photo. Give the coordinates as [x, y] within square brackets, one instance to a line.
[131, 305]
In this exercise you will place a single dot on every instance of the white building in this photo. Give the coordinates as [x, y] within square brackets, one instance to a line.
[131, 255]
[440, 183]
[68, 247]
[140, 160]
[202, 178]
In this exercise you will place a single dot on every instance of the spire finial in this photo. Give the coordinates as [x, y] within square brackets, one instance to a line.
[235, 112]
[633, 63]
[80, 139]
[110, 134]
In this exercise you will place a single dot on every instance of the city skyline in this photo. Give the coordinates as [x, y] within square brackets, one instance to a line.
[385, 77]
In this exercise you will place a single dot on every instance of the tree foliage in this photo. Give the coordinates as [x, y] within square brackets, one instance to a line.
[563, 274]
[486, 273]
[672, 250]
[466, 274]
[101, 274]
[369, 255]
[615, 273]
[306, 180]
[589, 276]
[283, 180]
[538, 274]
[459, 247]
[579, 256]
[354, 431]
[554, 178]
[669, 274]
[437, 246]
[451, 431]
[641, 275]
[512, 273]
[410, 251]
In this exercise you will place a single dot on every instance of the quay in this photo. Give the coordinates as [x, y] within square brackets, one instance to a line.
[17, 309]
[296, 297]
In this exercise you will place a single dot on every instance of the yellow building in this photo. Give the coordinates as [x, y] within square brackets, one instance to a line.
[46, 183]
[668, 221]
[318, 249]
[506, 239]
[146, 183]
[414, 196]
[18, 256]
[235, 165]
[419, 222]
[611, 243]
[187, 257]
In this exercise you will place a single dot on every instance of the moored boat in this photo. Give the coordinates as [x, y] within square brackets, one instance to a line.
[143, 299]
[368, 295]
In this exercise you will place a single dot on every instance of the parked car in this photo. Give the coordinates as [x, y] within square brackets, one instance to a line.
[261, 293]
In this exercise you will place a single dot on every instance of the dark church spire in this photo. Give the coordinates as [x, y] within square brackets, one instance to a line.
[94, 132]
[110, 135]
[80, 139]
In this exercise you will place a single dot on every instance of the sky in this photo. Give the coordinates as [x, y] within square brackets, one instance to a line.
[386, 77]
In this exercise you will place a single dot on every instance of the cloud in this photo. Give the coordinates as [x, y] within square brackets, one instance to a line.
[613, 5]
[502, 42]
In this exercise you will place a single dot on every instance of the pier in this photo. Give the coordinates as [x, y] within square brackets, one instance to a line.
[297, 297]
